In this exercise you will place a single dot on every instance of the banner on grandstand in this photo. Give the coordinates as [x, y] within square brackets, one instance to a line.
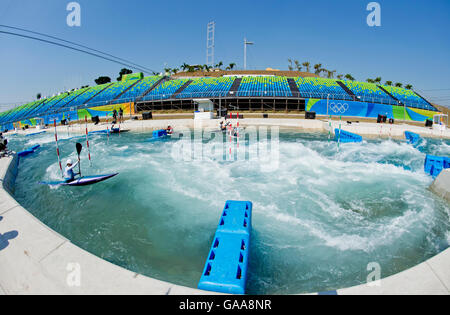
[133, 76]
[70, 115]
[74, 115]
[106, 111]
[370, 110]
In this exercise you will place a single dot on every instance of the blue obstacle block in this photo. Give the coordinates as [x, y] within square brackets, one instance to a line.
[447, 162]
[99, 131]
[413, 138]
[226, 267]
[35, 134]
[236, 217]
[435, 164]
[158, 135]
[346, 136]
[28, 151]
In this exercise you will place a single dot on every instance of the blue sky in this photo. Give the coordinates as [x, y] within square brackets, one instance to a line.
[411, 46]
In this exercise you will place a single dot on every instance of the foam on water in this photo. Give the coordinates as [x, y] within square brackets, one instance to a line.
[319, 218]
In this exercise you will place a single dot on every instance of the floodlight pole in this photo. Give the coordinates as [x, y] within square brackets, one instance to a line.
[210, 45]
[246, 43]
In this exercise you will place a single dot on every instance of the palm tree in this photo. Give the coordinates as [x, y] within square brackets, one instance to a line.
[340, 76]
[297, 65]
[370, 80]
[307, 65]
[232, 65]
[175, 70]
[167, 70]
[39, 96]
[408, 87]
[388, 83]
[184, 66]
[330, 74]
[398, 85]
[377, 80]
[349, 77]
[290, 66]
[318, 68]
[219, 65]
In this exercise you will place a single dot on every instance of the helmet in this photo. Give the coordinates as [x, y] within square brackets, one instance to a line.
[69, 161]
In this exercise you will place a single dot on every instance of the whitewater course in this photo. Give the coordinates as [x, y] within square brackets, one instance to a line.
[303, 209]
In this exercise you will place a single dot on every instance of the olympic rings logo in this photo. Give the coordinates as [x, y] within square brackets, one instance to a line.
[339, 108]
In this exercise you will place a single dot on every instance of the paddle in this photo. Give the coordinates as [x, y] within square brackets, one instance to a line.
[79, 148]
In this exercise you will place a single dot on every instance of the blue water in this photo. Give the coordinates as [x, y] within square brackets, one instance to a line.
[318, 219]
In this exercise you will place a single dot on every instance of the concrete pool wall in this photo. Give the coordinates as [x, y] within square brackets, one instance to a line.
[36, 260]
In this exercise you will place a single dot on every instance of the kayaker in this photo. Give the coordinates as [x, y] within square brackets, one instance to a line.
[69, 174]
[169, 130]
[222, 126]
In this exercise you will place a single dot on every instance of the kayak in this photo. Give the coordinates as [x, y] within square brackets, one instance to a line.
[113, 130]
[117, 130]
[82, 181]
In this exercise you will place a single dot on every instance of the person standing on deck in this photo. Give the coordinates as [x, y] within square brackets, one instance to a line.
[114, 116]
[121, 115]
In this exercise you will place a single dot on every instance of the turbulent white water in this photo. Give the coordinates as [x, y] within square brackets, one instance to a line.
[319, 218]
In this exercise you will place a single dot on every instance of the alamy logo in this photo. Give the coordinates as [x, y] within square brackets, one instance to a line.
[74, 17]
[74, 275]
[374, 17]
[374, 277]
[339, 108]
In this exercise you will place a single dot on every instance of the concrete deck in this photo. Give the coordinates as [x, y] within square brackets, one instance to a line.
[428, 278]
[365, 129]
[40, 261]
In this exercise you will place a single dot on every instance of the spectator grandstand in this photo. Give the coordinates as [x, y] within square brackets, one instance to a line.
[110, 93]
[409, 97]
[369, 92]
[207, 87]
[140, 88]
[64, 103]
[264, 86]
[90, 94]
[258, 92]
[165, 90]
[321, 88]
